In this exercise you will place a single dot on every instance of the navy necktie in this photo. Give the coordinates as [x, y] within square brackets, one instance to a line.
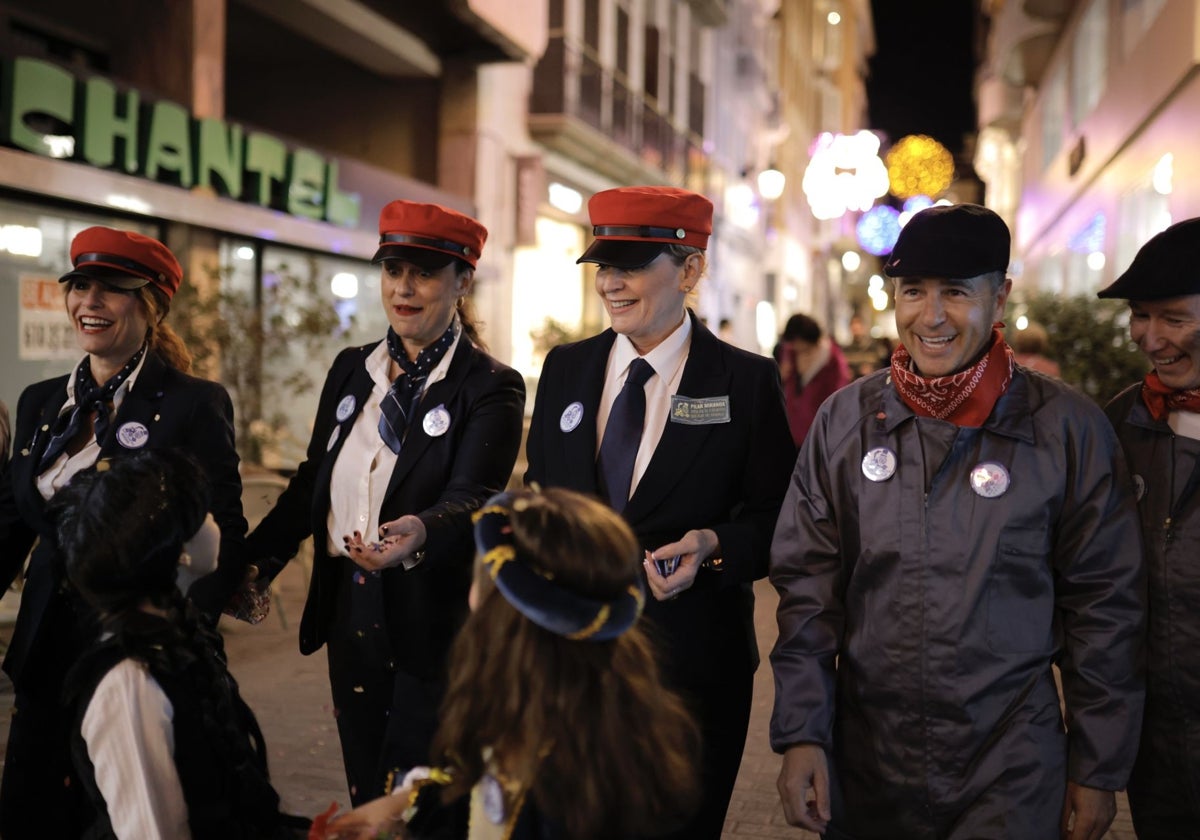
[623, 435]
[405, 393]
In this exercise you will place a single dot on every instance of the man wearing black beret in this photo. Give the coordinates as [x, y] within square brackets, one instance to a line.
[1158, 423]
[956, 525]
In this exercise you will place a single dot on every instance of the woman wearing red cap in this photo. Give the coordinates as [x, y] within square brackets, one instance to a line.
[412, 434]
[130, 392]
[687, 437]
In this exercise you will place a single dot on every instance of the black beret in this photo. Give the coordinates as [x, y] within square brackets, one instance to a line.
[954, 241]
[1167, 266]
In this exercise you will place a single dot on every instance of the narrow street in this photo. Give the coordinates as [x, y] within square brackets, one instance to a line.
[290, 695]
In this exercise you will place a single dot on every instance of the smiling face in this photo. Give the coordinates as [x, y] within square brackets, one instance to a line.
[646, 304]
[947, 324]
[110, 323]
[420, 302]
[1168, 332]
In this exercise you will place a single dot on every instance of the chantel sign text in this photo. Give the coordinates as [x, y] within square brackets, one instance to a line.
[46, 110]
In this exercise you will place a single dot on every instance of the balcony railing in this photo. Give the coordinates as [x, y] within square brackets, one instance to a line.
[587, 111]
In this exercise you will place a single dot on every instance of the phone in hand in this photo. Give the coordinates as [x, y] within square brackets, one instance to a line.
[667, 566]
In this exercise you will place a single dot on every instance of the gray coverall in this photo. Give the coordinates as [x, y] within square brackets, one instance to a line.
[920, 613]
[1164, 790]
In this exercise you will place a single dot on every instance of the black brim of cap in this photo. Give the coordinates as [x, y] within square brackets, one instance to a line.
[114, 277]
[622, 253]
[425, 258]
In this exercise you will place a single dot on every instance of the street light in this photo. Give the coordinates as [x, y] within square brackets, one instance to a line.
[771, 183]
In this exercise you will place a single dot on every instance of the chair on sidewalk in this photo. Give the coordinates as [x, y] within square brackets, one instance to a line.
[260, 490]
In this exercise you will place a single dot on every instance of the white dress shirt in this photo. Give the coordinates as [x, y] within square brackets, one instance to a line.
[364, 465]
[1185, 424]
[667, 359]
[128, 731]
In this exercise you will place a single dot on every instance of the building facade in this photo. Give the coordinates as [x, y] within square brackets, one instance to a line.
[1087, 113]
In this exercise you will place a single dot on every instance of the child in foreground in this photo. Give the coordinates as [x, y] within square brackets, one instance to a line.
[555, 723]
[164, 745]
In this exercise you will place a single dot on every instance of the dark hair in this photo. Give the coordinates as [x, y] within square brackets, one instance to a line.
[122, 524]
[1032, 339]
[802, 327]
[585, 726]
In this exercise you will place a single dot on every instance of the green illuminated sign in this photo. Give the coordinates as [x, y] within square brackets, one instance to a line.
[41, 104]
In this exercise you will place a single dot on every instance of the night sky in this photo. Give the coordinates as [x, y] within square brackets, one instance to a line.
[921, 75]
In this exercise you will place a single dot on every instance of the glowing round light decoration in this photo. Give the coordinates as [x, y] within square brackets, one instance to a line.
[878, 230]
[844, 173]
[917, 203]
[919, 165]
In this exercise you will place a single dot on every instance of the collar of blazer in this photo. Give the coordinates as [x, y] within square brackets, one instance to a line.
[706, 373]
[142, 406]
[358, 383]
[443, 392]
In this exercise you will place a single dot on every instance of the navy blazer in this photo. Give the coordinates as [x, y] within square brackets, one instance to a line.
[179, 411]
[730, 477]
[441, 479]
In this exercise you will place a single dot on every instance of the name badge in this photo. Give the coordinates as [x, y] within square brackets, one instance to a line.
[699, 411]
[133, 435]
[345, 408]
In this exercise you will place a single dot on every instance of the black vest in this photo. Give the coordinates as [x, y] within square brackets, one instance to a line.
[225, 786]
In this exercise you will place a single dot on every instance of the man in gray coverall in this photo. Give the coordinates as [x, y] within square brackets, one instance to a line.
[1158, 423]
[954, 526]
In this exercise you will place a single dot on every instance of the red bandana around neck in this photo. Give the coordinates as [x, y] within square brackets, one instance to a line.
[1162, 400]
[965, 398]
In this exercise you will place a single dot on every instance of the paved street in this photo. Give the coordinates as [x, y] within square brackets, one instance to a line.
[290, 695]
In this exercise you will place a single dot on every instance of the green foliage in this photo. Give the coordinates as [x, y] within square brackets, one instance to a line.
[552, 334]
[234, 335]
[1089, 338]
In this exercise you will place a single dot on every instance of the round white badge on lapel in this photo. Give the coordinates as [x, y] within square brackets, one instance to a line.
[879, 464]
[989, 480]
[1139, 486]
[345, 408]
[333, 438]
[133, 435]
[571, 416]
[436, 422]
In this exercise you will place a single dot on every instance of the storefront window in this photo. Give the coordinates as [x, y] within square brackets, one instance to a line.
[305, 310]
[38, 341]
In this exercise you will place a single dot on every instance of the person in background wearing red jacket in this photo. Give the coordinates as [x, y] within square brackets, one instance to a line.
[812, 367]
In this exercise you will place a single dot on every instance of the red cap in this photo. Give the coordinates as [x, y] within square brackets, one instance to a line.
[428, 235]
[124, 259]
[632, 224]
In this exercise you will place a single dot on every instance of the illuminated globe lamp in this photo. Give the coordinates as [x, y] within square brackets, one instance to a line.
[844, 173]
[878, 230]
[919, 165]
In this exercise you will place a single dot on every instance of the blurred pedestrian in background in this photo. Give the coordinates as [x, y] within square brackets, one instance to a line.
[164, 746]
[556, 725]
[1030, 348]
[812, 368]
[412, 434]
[687, 438]
[952, 531]
[865, 353]
[130, 392]
[1158, 423]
